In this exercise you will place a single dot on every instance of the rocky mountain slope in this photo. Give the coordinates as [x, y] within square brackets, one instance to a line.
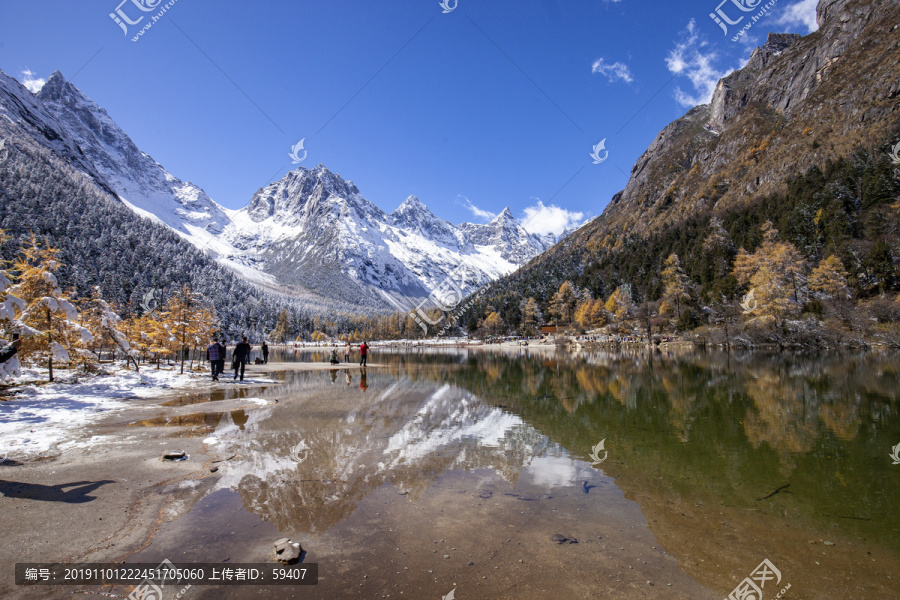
[800, 105]
[798, 102]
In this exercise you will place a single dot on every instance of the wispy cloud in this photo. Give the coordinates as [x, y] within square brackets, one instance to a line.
[484, 215]
[32, 83]
[541, 219]
[691, 59]
[801, 14]
[612, 71]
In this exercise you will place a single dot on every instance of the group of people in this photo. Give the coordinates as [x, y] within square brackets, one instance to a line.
[348, 354]
[240, 356]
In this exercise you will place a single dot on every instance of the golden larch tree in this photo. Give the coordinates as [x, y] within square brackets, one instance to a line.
[49, 320]
[829, 279]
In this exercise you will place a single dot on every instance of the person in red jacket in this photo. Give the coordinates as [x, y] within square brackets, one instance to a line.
[363, 354]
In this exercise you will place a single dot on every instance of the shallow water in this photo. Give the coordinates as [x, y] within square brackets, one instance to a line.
[711, 463]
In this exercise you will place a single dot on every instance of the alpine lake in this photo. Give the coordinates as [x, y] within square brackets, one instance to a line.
[468, 473]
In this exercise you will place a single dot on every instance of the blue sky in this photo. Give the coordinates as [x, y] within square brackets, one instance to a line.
[491, 104]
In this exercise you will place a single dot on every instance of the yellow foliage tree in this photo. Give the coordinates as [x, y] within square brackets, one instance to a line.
[598, 315]
[829, 279]
[187, 320]
[49, 320]
[618, 304]
[677, 284]
[563, 303]
[493, 323]
[279, 334]
[775, 274]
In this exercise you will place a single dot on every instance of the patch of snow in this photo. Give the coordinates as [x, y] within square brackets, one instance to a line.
[45, 416]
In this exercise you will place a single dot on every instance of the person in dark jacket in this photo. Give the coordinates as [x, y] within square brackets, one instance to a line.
[241, 356]
[265, 352]
[363, 354]
[212, 355]
[8, 351]
[223, 350]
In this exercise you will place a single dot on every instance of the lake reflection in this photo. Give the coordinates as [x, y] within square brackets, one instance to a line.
[731, 458]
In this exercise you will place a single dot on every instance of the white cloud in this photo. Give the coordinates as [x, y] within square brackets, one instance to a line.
[612, 71]
[801, 14]
[688, 58]
[542, 219]
[484, 215]
[31, 83]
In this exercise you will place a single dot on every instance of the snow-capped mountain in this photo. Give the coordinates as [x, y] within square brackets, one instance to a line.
[311, 230]
[314, 228]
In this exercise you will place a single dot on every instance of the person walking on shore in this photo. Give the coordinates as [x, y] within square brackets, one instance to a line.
[212, 355]
[220, 364]
[241, 355]
[265, 352]
[363, 354]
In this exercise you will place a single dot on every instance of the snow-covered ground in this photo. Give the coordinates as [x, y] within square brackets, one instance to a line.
[44, 415]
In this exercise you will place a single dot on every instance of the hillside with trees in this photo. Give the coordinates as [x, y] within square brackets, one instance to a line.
[819, 257]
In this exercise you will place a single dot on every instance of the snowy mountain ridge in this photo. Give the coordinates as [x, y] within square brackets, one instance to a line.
[311, 230]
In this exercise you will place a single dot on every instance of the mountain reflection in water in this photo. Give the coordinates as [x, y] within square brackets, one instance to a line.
[720, 451]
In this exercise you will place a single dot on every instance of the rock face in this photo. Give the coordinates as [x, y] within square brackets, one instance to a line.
[800, 101]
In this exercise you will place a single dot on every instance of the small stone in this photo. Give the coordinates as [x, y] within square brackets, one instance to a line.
[828, 543]
[471, 564]
[214, 469]
[446, 556]
[175, 455]
[286, 552]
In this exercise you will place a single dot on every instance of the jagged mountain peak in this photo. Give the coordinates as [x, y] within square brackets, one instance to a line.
[412, 216]
[57, 79]
[59, 89]
[412, 209]
[303, 191]
[504, 216]
[411, 202]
